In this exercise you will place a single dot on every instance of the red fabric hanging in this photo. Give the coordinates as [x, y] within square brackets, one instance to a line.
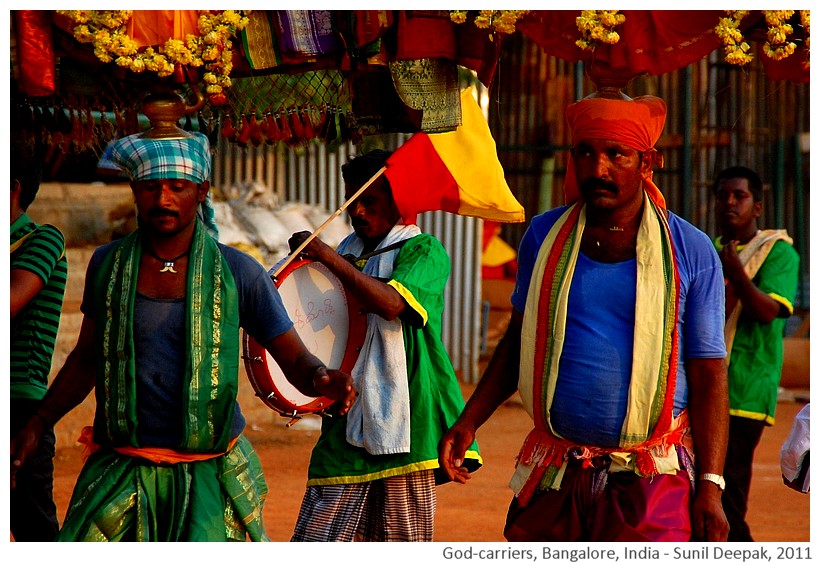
[284, 127]
[652, 41]
[244, 133]
[794, 67]
[155, 27]
[228, 129]
[369, 25]
[255, 131]
[424, 34]
[271, 129]
[35, 52]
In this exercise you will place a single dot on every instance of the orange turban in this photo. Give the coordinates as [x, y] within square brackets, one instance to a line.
[637, 124]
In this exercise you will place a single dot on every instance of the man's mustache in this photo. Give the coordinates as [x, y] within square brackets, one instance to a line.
[592, 184]
[159, 213]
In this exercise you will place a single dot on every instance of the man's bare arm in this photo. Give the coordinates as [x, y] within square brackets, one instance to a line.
[497, 384]
[756, 303]
[308, 374]
[709, 417]
[23, 286]
[73, 383]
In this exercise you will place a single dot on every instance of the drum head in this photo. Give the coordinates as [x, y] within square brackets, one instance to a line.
[331, 326]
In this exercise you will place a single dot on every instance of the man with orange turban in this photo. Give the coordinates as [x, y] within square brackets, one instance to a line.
[617, 335]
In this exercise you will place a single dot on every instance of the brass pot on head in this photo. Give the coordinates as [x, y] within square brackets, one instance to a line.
[164, 110]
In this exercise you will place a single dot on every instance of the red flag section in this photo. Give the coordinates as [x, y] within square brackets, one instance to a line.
[419, 179]
[457, 172]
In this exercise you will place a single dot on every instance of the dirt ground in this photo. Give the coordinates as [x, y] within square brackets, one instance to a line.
[473, 512]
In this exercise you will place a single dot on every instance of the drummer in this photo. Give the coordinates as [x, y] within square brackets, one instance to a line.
[162, 310]
[373, 473]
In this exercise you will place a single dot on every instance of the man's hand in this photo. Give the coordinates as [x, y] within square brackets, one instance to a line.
[24, 445]
[708, 519]
[315, 250]
[732, 266]
[451, 449]
[336, 385]
[759, 305]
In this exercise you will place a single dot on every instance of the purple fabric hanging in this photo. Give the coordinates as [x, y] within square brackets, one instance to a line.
[307, 33]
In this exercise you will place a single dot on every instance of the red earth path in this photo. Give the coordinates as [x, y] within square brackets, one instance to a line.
[473, 512]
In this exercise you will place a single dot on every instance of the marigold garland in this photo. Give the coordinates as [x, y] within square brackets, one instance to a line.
[106, 31]
[598, 26]
[734, 47]
[501, 21]
[804, 21]
[777, 46]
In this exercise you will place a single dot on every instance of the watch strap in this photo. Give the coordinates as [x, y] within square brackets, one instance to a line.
[715, 479]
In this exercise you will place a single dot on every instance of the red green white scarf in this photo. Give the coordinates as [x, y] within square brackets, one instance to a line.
[650, 431]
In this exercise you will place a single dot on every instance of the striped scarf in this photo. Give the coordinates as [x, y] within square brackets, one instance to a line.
[212, 364]
[649, 430]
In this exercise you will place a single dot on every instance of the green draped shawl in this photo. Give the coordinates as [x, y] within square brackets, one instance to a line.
[212, 335]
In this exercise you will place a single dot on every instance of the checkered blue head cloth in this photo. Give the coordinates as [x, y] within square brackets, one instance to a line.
[151, 159]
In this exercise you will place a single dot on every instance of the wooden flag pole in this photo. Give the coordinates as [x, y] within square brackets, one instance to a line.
[338, 212]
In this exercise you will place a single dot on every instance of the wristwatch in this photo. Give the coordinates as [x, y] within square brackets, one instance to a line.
[715, 479]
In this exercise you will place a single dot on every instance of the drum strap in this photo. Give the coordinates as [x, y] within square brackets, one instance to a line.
[361, 260]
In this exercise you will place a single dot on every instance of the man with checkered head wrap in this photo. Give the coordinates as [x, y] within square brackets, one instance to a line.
[160, 344]
[616, 347]
[144, 158]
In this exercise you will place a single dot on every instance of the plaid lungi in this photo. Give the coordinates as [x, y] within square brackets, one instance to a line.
[393, 509]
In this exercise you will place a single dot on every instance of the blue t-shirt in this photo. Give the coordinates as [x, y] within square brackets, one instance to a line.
[591, 394]
[159, 340]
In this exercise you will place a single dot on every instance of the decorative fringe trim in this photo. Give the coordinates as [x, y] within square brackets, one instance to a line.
[545, 451]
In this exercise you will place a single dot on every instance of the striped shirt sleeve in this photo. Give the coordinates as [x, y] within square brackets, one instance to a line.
[41, 252]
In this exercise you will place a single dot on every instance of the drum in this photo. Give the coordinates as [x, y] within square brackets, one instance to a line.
[330, 323]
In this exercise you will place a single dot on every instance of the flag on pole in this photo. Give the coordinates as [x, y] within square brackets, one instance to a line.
[457, 172]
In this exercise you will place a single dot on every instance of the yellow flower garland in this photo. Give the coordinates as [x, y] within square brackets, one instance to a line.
[804, 21]
[598, 26]
[106, 31]
[501, 21]
[734, 47]
[777, 46]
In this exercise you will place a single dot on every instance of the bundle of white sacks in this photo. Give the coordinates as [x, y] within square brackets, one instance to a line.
[253, 222]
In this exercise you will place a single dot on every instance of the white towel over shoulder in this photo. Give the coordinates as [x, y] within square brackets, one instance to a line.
[379, 420]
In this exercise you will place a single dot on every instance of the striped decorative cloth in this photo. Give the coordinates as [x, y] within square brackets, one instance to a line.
[649, 430]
